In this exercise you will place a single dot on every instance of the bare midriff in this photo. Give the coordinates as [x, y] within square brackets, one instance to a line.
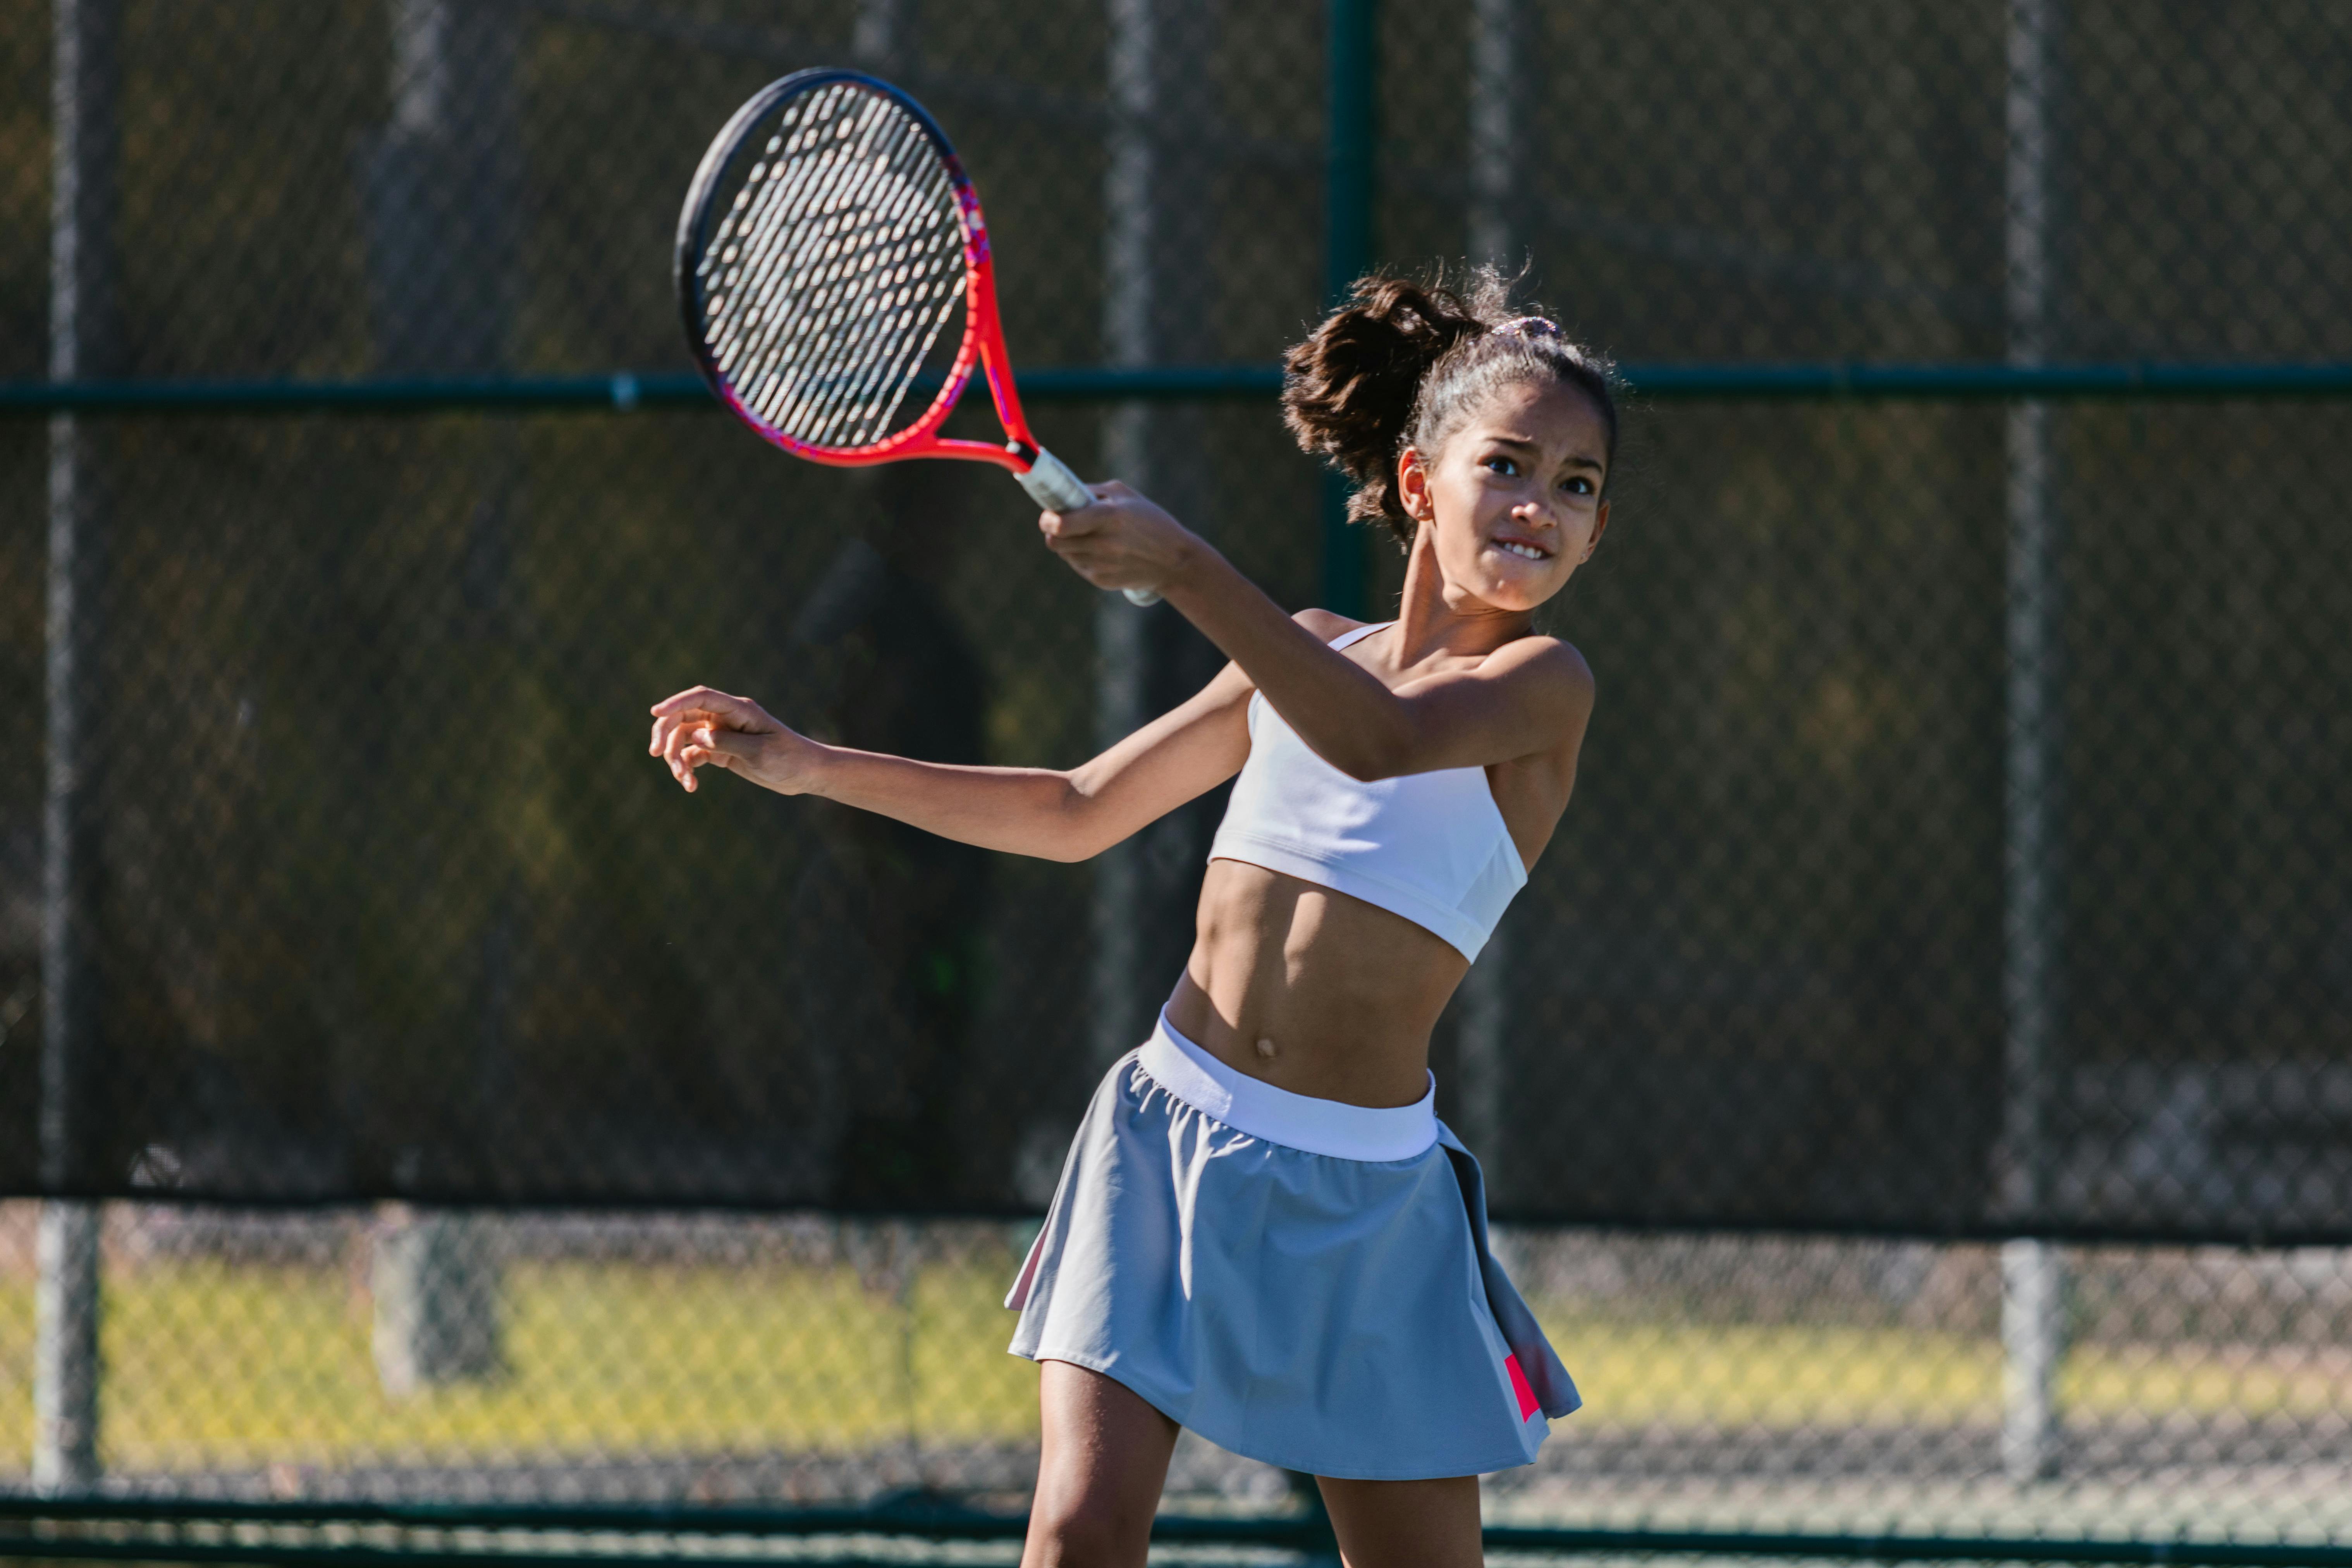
[1313, 991]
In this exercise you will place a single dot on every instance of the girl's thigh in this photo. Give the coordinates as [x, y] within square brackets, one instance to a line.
[1392, 1524]
[1100, 1473]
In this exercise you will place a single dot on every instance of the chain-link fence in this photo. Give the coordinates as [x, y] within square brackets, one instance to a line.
[1918, 1075]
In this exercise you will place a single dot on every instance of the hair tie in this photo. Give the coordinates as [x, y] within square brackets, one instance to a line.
[1528, 327]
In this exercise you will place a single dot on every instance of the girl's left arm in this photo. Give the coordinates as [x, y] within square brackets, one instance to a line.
[1057, 814]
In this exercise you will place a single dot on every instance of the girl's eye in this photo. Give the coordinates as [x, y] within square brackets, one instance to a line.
[1580, 486]
[1505, 467]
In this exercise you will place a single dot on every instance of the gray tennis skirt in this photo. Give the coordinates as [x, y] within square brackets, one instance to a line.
[1298, 1280]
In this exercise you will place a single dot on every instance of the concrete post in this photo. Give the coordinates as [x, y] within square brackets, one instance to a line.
[445, 188]
[1120, 645]
[2033, 1271]
[84, 150]
[1497, 113]
[1351, 110]
[878, 32]
[1160, 78]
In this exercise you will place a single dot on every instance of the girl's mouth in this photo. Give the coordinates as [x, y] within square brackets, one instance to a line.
[1523, 550]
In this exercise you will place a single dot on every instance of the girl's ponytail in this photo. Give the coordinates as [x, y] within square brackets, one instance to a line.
[1399, 363]
[1348, 391]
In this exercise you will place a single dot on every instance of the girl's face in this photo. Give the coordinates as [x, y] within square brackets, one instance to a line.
[1512, 505]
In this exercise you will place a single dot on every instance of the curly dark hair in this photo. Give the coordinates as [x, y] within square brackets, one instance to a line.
[1403, 363]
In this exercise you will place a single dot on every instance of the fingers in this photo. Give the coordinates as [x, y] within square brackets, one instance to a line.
[1122, 540]
[1090, 545]
[1101, 568]
[1077, 524]
[691, 746]
[706, 750]
[1079, 521]
[736, 712]
[687, 726]
[670, 737]
[1108, 493]
[670, 724]
[1080, 538]
[667, 731]
[690, 735]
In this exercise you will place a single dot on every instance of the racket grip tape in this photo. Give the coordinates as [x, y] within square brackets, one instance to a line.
[1052, 485]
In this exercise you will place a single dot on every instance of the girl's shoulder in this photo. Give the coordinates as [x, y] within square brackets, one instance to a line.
[1553, 670]
[1541, 650]
[1541, 654]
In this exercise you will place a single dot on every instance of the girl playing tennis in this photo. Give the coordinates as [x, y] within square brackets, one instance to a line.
[1263, 1232]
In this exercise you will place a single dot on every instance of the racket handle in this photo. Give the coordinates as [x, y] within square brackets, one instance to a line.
[1052, 485]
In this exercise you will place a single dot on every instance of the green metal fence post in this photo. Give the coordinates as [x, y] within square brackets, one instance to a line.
[1352, 124]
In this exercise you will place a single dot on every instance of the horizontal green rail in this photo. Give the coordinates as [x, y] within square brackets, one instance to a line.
[615, 392]
[110, 1529]
[1996, 382]
[623, 391]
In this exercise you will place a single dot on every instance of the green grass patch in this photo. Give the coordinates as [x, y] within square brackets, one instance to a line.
[216, 1365]
[237, 1366]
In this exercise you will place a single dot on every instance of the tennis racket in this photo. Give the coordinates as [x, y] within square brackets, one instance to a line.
[835, 277]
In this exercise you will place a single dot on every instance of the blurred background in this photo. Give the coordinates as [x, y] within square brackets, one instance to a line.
[1917, 1083]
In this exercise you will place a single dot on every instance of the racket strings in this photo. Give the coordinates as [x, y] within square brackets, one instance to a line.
[777, 193]
[859, 300]
[841, 331]
[778, 196]
[889, 309]
[802, 183]
[835, 268]
[811, 254]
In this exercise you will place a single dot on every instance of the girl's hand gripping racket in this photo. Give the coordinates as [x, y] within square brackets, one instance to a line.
[829, 239]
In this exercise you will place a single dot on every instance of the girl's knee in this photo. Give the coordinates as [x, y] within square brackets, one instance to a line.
[1085, 1532]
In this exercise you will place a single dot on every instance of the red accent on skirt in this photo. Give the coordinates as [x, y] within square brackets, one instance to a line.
[1519, 1386]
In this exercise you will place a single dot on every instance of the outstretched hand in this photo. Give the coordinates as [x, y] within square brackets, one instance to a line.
[700, 727]
[1122, 540]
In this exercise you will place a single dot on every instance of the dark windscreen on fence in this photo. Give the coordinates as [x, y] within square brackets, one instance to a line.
[1957, 847]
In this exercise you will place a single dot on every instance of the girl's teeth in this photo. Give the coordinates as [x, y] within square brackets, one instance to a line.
[1522, 552]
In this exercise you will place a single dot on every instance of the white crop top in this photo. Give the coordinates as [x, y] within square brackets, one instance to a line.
[1430, 846]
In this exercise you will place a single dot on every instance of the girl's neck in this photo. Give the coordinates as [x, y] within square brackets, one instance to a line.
[1432, 620]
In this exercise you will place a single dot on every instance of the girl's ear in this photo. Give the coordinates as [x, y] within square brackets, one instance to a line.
[1412, 485]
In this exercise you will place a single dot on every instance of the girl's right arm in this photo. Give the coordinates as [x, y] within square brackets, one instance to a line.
[1055, 816]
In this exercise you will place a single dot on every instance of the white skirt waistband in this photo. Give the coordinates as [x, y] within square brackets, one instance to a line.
[1294, 1121]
